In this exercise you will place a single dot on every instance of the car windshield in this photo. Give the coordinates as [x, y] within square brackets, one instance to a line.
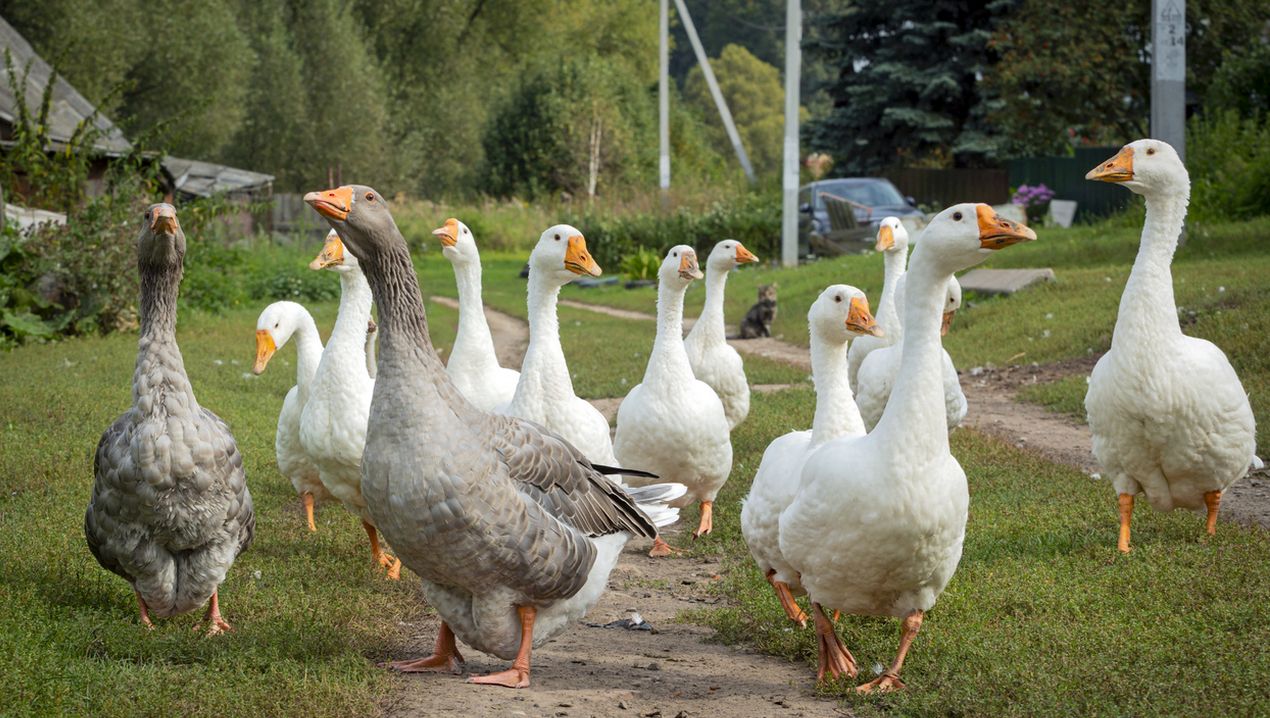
[870, 193]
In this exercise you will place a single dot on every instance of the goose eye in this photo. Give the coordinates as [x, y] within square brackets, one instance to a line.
[957, 216]
[465, 230]
[674, 254]
[370, 196]
[557, 237]
[1150, 150]
[277, 324]
[837, 298]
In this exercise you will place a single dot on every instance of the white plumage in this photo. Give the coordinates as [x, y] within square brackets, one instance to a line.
[1168, 414]
[713, 360]
[839, 315]
[893, 243]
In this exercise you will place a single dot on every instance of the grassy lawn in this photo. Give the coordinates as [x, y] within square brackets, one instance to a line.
[1043, 617]
[309, 612]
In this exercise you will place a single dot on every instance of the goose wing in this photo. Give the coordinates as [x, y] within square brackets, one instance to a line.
[558, 477]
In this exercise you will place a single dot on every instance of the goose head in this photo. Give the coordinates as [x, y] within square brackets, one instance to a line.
[333, 256]
[561, 256]
[728, 255]
[274, 328]
[161, 244]
[679, 268]
[892, 236]
[1146, 167]
[951, 304]
[360, 216]
[841, 313]
[964, 235]
[457, 243]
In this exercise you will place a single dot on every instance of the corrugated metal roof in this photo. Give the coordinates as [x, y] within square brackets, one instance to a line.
[68, 108]
[204, 179]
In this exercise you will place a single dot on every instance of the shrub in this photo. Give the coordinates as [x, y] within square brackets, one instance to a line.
[1229, 162]
[643, 264]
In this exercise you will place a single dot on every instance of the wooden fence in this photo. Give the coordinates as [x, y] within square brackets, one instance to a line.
[942, 187]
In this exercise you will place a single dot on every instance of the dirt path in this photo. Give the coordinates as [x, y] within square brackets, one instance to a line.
[511, 335]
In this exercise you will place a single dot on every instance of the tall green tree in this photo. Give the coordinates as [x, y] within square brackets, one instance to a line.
[276, 129]
[755, 97]
[188, 83]
[906, 90]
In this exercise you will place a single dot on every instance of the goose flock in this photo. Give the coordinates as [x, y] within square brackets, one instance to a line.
[511, 500]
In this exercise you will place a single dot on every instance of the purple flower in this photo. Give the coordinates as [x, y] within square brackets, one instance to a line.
[1032, 195]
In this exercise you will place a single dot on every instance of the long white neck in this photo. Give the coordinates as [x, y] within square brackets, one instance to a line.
[915, 419]
[473, 345]
[888, 316]
[544, 373]
[1148, 311]
[308, 351]
[668, 362]
[345, 354]
[709, 329]
[836, 410]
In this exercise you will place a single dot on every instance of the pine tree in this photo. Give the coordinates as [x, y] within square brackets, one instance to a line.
[906, 89]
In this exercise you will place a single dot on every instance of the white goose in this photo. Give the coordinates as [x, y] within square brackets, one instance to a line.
[545, 392]
[893, 243]
[880, 369]
[713, 360]
[277, 324]
[473, 363]
[333, 420]
[839, 315]
[877, 525]
[671, 423]
[1168, 414]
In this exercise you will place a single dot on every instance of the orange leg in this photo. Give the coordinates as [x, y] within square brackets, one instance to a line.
[381, 557]
[707, 520]
[218, 624]
[890, 679]
[308, 509]
[1212, 500]
[835, 659]
[145, 611]
[518, 675]
[661, 549]
[1126, 510]
[786, 597]
[445, 656]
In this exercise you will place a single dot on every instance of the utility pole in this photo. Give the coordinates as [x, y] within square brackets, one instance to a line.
[719, 102]
[663, 102]
[1168, 73]
[789, 174]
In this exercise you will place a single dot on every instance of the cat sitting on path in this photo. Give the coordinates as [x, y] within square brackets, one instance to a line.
[758, 320]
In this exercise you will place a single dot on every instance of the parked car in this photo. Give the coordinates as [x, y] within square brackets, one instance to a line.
[837, 214]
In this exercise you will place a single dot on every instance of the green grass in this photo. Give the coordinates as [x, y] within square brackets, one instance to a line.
[310, 614]
[1044, 617]
[1064, 396]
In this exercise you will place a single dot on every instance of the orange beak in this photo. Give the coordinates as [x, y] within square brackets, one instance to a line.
[947, 323]
[332, 203]
[577, 260]
[688, 268]
[164, 221]
[1116, 169]
[860, 320]
[886, 239]
[448, 233]
[743, 255]
[997, 232]
[265, 349]
[332, 253]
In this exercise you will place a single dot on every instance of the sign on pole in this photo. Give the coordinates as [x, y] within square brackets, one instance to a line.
[1168, 73]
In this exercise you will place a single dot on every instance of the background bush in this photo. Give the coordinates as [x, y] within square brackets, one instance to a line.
[1228, 158]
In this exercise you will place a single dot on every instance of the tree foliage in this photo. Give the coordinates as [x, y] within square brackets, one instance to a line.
[755, 97]
[906, 90]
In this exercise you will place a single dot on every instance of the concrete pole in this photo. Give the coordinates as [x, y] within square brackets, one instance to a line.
[1168, 73]
[789, 174]
[663, 100]
[719, 102]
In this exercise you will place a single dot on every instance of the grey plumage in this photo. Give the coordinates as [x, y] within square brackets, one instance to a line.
[493, 512]
[170, 509]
